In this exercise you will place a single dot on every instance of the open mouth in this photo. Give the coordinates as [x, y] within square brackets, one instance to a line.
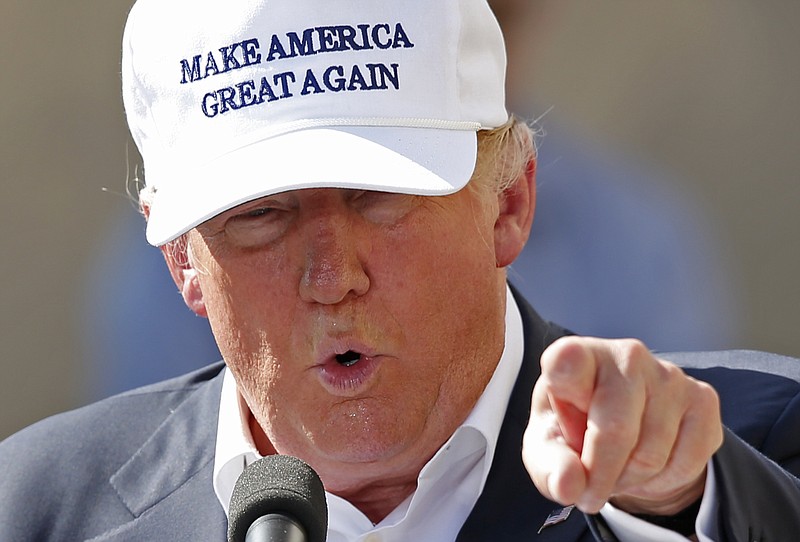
[348, 359]
[348, 372]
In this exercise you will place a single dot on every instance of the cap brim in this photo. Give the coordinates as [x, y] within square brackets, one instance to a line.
[407, 160]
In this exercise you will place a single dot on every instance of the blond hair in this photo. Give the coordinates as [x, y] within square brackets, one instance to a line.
[504, 155]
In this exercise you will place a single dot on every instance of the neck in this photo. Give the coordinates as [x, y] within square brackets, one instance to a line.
[376, 501]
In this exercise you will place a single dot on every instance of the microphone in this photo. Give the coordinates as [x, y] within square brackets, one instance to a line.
[278, 498]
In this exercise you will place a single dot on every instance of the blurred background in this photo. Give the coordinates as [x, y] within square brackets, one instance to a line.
[687, 112]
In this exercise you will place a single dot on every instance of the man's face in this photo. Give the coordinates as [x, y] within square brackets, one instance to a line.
[361, 326]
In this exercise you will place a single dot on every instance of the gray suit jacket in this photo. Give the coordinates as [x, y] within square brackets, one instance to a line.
[138, 466]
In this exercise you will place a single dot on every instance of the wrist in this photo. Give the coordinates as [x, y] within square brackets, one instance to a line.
[682, 522]
[664, 505]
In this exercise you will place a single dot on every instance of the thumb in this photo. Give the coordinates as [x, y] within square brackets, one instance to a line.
[553, 464]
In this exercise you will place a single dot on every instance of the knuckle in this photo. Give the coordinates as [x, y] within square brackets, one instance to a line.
[705, 398]
[708, 404]
[632, 349]
[631, 356]
[707, 395]
[673, 379]
[672, 371]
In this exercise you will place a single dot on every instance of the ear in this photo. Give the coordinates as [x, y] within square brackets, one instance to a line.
[183, 273]
[185, 277]
[516, 209]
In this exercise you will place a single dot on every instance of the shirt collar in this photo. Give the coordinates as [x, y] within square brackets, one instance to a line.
[490, 410]
[476, 438]
[235, 448]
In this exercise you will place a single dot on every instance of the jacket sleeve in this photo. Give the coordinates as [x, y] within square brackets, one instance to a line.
[758, 499]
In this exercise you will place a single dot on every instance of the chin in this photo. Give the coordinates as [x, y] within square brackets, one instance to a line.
[357, 448]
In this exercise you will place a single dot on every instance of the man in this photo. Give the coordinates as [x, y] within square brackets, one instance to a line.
[339, 190]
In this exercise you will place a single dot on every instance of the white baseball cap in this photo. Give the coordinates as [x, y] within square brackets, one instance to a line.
[232, 101]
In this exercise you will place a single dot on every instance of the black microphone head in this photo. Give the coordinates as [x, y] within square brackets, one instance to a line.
[278, 484]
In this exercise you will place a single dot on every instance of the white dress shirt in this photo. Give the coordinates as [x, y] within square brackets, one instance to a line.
[450, 483]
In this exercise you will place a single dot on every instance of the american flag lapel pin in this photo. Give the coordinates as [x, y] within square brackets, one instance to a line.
[557, 516]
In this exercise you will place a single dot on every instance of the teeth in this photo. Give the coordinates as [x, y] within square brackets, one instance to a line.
[348, 359]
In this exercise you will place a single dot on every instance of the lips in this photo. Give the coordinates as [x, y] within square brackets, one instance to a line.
[348, 370]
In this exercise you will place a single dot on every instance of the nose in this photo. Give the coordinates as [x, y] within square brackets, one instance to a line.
[333, 269]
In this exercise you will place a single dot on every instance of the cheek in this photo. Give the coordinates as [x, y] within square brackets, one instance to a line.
[242, 304]
[443, 292]
[252, 307]
[434, 269]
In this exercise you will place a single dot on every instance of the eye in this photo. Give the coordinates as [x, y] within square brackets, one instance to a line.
[383, 207]
[251, 217]
[257, 224]
[255, 213]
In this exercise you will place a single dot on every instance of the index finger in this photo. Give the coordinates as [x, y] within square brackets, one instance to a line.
[583, 378]
[569, 372]
[566, 386]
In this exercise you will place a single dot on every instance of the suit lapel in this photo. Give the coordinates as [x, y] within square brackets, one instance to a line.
[167, 487]
[510, 507]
